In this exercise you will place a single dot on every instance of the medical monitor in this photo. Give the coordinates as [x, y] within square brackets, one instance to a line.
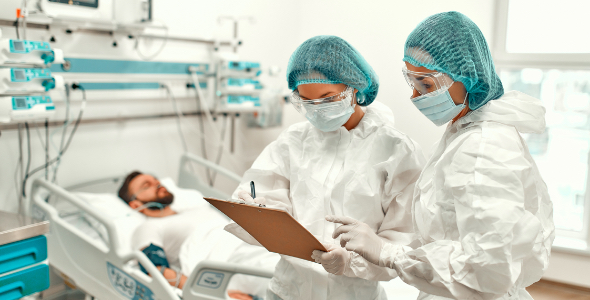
[86, 3]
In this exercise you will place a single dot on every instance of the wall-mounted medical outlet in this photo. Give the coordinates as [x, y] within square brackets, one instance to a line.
[25, 108]
[27, 81]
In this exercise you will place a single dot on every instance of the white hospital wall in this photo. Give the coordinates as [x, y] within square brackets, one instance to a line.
[102, 150]
[377, 29]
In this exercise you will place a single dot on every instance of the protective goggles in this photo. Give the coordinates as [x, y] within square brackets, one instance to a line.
[337, 101]
[426, 83]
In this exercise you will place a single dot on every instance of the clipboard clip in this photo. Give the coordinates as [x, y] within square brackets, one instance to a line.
[252, 204]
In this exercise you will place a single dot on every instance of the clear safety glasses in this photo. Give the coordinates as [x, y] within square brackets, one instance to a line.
[426, 83]
[337, 101]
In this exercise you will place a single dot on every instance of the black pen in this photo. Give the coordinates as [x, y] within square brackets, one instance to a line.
[252, 190]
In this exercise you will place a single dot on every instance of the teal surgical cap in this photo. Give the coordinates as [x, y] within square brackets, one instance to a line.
[451, 43]
[330, 59]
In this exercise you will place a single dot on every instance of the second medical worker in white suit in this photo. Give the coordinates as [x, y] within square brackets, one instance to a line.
[347, 160]
[481, 209]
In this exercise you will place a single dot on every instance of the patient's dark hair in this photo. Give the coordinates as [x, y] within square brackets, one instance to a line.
[124, 190]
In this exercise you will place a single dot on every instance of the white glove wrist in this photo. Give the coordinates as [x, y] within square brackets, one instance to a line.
[388, 254]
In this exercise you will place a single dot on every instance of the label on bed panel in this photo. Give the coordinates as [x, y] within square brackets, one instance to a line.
[127, 285]
[211, 279]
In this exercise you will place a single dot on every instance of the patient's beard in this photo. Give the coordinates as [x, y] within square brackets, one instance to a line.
[164, 201]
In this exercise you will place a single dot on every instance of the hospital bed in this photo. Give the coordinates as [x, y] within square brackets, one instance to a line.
[99, 262]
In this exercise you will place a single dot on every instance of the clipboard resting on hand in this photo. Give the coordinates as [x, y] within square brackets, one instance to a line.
[274, 229]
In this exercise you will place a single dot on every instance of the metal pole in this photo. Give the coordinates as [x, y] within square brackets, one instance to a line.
[235, 34]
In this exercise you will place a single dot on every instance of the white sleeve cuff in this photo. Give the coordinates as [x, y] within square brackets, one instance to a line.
[362, 268]
[389, 253]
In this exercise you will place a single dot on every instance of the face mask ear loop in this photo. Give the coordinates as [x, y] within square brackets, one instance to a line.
[465, 100]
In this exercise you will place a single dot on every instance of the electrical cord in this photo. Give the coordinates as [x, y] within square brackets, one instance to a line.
[28, 156]
[67, 144]
[64, 129]
[16, 28]
[178, 113]
[203, 107]
[220, 152]
[46, 148]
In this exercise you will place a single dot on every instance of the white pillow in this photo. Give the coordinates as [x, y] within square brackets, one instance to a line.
[184, 199]
[125, 219]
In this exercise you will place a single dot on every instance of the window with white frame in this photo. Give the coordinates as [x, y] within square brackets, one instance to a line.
[542, 48]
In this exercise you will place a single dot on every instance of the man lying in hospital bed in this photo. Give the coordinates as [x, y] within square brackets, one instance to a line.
[177, 238]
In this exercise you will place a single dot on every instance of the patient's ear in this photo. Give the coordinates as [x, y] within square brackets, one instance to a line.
[134, 204]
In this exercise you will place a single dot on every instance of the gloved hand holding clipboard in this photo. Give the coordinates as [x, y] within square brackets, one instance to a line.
[274, 229]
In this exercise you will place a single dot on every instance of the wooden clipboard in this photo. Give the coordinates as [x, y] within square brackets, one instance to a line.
[275, 229]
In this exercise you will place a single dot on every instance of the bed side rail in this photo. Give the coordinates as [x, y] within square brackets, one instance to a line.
[90, 267]
[65, 195]
[209, 279]
[188, 179]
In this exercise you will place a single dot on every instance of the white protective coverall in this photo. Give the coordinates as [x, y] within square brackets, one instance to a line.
[481, 209]
[368, 172]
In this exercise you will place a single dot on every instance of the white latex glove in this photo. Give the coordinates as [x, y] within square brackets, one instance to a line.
[358, 237]
[246, 197]
[335, 261]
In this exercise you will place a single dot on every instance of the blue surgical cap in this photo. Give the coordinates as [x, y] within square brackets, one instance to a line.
[451, 43]
[330, 59]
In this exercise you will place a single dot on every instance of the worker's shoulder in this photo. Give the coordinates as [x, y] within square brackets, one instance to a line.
[387, 133]
[489, 137]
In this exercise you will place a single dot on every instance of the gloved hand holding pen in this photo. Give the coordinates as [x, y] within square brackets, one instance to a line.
[246, 197]
[358, 237]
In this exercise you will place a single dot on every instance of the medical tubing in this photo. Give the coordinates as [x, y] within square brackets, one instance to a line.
[195, 80]
[39, 135]
[205, 108]
[19, 166]
[220, 152]
[201, 124]
[46, 148]
[67, 122]
[203, 142]
[28, 157]
[178, 113]
[16, 28]
[17, 182]
[136, 47]
[148, 205]
[82, 107]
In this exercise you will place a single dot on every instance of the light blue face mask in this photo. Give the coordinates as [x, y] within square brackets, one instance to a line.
[329, 117]
[438, 106]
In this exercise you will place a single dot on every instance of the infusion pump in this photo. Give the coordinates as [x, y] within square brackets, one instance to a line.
[25, 108]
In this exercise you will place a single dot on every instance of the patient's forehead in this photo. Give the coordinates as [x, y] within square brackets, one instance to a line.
[139, 182]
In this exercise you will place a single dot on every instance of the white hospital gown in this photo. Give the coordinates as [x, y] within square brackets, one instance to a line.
[481, 209]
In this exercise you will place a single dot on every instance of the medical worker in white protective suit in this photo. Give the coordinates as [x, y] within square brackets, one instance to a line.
[348, 160]
[481, 209]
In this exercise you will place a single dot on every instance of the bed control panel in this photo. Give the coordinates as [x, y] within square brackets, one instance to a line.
[127, 285]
